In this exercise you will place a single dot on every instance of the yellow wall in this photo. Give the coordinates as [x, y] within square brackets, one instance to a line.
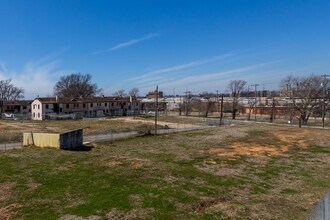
[41, 140]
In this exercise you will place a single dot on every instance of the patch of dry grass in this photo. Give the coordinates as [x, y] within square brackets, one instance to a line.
[236, 172]
[11, 131]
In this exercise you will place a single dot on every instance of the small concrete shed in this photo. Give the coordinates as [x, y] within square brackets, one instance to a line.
[69, 140]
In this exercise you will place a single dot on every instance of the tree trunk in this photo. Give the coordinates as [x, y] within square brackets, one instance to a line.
[234, 114]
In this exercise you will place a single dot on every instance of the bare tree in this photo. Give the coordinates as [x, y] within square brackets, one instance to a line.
[251, 104]
[236, 87]
[304, 94]
[120, 93]
[10, 92]
[76, 85]
[208, 104]
[134, 92]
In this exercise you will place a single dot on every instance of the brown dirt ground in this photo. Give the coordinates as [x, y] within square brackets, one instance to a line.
[286, 140]
[7, 211]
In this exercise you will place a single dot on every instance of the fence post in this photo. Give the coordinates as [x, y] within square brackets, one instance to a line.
[327, 206]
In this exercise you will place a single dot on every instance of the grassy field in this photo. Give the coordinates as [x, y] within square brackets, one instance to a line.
[11, 131]
[237, 172]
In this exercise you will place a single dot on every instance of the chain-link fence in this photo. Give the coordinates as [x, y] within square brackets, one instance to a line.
[10, 146]
[13, 141]
[14, 116]
[321, 210]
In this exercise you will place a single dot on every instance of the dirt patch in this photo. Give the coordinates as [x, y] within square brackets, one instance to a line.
[74, 217]
[219, 137]
[220, 171]
[136, 200]
[32, 185]
[242, 149]
[5, 190]
[7, 212]
[138, 164]
[114, 163]
[255, 150]
[132, 214]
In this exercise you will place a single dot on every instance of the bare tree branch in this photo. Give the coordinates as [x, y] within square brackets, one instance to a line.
[76, 85]
[236, 87]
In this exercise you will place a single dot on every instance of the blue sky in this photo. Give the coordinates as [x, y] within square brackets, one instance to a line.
[179, 45]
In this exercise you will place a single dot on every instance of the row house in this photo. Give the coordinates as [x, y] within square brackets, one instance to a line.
[76, 108]
[16, 107]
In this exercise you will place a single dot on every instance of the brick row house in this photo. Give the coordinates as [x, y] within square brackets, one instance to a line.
[16, 109]
[54, 107]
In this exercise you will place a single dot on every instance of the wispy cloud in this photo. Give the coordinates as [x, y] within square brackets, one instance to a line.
[195, 63]
[128, 43]
[208, 81]
[3, 66]
[36, 77]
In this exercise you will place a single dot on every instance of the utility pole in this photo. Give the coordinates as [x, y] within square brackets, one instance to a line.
[324, 85]
[255, 101]
[273, 110]
[217, 101]
[188, 93]
[156, 109]
[221, 110]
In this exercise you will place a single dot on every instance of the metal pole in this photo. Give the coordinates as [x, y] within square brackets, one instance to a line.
[273, 110]
[255, 101]
[156, 110]
[324, 84]
[221, 110]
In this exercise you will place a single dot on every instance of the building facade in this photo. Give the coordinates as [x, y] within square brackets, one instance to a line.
[76, 108]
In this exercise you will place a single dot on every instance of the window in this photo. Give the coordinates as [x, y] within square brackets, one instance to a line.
[46, 106]
[38, 115]
[91, 104]
[38, 106]
[67, 106]
[34, 115]
[60, 109]
[24, 107]
[105, 104]
[34, 106]
[84, 105]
